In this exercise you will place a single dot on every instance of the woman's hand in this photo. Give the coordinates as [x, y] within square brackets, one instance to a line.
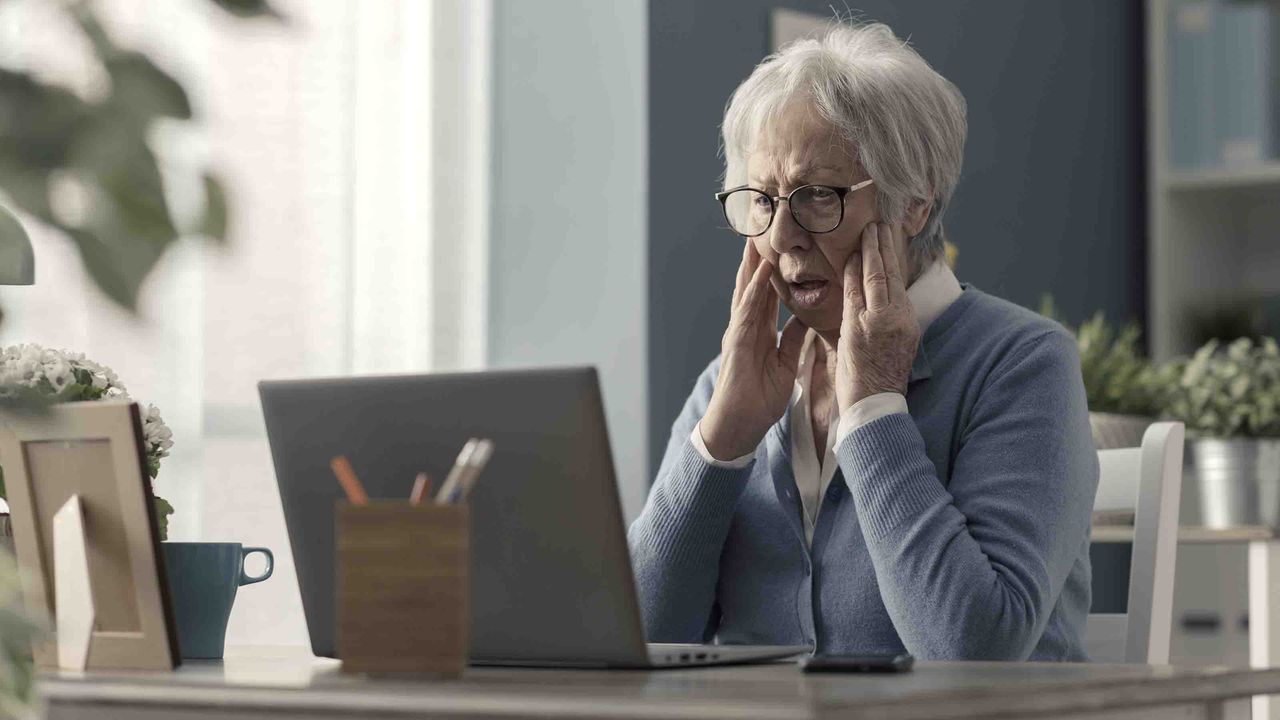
[757, 372]
[878, 334]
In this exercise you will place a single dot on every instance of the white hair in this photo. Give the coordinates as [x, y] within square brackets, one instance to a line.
[905, 122]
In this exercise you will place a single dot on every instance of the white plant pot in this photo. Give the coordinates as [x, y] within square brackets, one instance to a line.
[1111, 430]
[1239, 480]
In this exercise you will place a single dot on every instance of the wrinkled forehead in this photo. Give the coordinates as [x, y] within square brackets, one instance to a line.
[798, 143]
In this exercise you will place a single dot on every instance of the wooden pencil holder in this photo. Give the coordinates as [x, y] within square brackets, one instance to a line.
[403, 587]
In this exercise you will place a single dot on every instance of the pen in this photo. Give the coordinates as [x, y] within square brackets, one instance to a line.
[455, 473]
[421, 488]
[347, 478]
[479, 458]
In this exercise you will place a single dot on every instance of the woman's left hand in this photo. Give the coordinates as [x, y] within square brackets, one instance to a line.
[878, 334]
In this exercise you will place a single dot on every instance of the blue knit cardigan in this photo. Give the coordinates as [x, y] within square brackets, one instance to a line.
[958, 531]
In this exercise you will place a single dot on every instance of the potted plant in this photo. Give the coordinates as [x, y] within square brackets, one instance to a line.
[1229, 399]
[1123, 388]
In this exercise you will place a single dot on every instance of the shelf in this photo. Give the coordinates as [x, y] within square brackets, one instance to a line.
[1189, 534]
[1246, 176]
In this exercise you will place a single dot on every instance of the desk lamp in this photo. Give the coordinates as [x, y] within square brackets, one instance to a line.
[17, 261]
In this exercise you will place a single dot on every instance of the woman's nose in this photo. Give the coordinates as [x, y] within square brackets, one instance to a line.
[786, 235]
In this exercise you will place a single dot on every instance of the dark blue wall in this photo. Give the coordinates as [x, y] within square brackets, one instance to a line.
[1051, 199]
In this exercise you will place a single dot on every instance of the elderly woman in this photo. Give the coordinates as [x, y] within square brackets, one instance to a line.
[908, 466]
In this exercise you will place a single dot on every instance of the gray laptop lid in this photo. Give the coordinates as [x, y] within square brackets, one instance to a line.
[551, 574]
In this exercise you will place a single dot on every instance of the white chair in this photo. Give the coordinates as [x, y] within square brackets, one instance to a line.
[1148, 481]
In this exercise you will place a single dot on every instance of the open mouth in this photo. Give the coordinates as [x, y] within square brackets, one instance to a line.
[808, 293]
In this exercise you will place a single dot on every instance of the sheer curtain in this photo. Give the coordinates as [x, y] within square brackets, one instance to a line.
[354, 143]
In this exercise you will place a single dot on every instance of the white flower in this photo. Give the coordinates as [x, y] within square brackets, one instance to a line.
[103, 376]
[57, 371]
[23, 364]
[158, 435]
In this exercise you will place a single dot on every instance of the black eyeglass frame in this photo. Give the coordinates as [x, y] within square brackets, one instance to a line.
[841, 192]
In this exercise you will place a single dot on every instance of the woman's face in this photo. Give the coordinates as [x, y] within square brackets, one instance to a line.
[801, 148]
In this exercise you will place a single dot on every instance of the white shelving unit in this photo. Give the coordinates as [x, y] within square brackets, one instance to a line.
[1214, 233]
[1213, 240]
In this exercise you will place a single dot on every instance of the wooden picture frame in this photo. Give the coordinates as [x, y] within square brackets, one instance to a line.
[93, 450]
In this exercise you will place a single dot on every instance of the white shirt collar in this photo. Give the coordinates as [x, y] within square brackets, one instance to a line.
[933, 292]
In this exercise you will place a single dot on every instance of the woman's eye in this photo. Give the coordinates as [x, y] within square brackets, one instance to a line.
[761, 201]
[821, 193]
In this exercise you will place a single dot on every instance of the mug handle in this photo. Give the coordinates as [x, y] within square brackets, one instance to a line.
[271, 565]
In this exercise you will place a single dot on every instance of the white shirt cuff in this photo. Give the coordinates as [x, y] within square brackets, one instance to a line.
[701, 447]
[866, 410]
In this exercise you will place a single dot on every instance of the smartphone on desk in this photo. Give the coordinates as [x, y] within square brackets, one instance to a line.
[856, 663]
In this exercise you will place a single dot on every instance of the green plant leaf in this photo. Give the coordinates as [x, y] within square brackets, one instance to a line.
[141, 87]
[116, 264]
[128, 226]
[214, 223]
[163, 511]
[37, 123]
[85, 17]
[250, 8]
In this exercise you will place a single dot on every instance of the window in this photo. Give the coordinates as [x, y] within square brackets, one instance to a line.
[357, 242]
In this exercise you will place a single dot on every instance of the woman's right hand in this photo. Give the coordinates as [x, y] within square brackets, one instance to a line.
[757, 372]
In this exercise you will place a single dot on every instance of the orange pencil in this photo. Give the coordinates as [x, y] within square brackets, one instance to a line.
[347, 478]
[421, 488]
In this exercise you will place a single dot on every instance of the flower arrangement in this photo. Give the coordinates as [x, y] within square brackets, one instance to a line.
[1228, 392]
[34, 373]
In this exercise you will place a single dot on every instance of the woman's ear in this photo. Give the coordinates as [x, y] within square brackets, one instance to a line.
[917, 216]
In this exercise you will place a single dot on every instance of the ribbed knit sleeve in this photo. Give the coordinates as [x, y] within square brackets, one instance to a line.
[677, 540]
[972, 570]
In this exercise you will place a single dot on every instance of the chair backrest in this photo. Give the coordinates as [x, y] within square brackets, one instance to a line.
[1148, 480]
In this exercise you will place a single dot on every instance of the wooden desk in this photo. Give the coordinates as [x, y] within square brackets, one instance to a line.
[1264, 588]
[258, 686]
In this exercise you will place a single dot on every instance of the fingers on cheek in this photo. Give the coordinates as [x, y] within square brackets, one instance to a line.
[852, 288]
[853, 272]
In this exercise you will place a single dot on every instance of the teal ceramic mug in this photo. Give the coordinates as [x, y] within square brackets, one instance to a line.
[203, 579]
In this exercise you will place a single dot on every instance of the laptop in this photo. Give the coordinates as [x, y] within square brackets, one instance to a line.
[551, 573]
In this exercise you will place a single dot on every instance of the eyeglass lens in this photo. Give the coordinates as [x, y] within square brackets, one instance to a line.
[816, 208]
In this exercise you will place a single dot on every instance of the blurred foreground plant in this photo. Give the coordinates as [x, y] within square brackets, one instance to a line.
[85, 166]
[17, 630]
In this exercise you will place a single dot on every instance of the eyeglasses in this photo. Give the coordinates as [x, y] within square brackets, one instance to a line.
[816, 208]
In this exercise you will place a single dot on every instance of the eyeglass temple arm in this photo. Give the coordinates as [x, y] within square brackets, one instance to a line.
[720, 196]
